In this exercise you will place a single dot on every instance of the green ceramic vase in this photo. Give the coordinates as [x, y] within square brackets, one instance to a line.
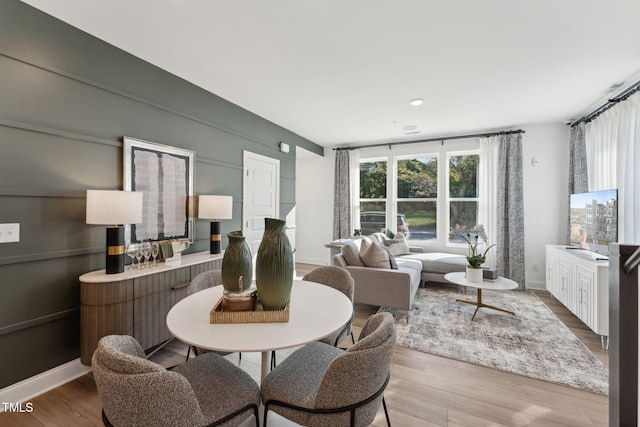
[274, 266]
[236, 263]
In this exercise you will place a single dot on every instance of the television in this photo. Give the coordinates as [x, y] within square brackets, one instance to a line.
[593, 220]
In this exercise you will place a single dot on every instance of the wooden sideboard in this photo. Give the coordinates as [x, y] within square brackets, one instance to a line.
[136, 302]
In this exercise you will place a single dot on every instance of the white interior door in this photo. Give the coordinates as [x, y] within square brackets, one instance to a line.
[261, 195]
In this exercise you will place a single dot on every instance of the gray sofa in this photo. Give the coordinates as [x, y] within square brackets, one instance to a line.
[395, 287]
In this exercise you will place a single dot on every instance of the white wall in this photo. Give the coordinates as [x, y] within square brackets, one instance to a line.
[314, 206]
[545, 199]
[545, 194]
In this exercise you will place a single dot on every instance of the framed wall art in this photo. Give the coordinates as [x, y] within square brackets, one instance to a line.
[165, 176]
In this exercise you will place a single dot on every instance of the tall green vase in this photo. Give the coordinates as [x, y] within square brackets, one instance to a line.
[236, 263]
[274, 266]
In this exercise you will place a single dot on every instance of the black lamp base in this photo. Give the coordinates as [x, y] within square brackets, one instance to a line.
[115, 250]
[215, 237]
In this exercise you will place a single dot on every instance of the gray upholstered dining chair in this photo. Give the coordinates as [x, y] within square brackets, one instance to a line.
[199, 283]
[321, 385]
[205, 280]
[339, 279]
[205, 391]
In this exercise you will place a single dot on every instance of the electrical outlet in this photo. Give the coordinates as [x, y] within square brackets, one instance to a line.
[9, 233]
[535, 267]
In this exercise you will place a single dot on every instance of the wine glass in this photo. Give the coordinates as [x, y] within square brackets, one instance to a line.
[139, 256]
[155, 249]
[146, 252]
[131, 253]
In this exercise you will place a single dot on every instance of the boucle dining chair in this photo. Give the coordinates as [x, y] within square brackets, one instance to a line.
[205, 391]
[322, 385]
[339, 279]
[199, 283]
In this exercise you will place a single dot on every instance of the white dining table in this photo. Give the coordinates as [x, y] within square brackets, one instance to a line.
[316, 310]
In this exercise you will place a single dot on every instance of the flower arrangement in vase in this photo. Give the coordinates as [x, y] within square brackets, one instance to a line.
[473, 236]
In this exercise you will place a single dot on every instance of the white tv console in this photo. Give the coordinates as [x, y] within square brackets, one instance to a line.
[579, 279]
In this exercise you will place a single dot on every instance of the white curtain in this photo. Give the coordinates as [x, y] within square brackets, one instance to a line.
[602, 146]
[354, 180]
[488, 188]
[613, 156]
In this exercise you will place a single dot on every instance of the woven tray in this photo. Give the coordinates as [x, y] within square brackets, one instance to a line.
[216, 315]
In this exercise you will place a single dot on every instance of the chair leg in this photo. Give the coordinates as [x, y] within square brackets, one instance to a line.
[105, 420]
[386, 413]
[353, 340]
[188, 352]
[256, 416]
[273, 360]
[264, 420]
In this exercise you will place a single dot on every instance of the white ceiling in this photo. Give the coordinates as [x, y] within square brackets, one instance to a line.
[343, 71]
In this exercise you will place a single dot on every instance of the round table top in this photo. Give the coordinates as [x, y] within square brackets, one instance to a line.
[317, 310]
[502, 283]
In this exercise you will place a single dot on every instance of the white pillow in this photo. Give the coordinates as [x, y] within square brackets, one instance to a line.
[351, 254]
[398, 247]
[374, 256]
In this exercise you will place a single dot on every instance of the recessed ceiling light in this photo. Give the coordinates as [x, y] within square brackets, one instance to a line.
[417, 101]
[410, 127]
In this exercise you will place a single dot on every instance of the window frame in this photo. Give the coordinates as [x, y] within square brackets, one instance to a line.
[396, 199]
[385, 199]
[449, 199]
[441, 152]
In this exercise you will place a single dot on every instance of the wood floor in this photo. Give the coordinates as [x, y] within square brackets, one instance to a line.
[424, 390]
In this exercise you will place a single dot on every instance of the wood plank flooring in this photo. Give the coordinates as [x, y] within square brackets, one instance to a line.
[424, 390]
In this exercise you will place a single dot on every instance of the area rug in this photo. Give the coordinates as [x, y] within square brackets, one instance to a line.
[534, 342]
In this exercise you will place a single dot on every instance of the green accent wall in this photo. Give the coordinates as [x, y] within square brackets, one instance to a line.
[66, 100]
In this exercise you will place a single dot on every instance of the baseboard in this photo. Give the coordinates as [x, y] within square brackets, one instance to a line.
[41, 383]
[318, 261]
[535, 284]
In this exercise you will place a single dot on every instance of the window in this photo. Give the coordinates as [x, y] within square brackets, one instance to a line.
[417, 197]
[373, 196]
[463, 190]
[420, 195]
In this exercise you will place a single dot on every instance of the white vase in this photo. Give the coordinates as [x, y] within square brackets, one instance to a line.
[474, 275]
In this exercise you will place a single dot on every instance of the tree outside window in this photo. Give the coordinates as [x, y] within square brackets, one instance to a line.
[415, 199]
[373, 196]
[417, 195]
[463, 191]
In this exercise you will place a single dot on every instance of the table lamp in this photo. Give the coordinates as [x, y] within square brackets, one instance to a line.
[215, 208]
[111, 207]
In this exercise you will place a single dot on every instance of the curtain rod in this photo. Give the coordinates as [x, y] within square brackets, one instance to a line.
[442, 139]
[631, 90]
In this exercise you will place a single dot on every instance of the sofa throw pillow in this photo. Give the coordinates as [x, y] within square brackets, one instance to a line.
[378, 238]
[351, 254]
[364, 247]
[392, 259]
[398, 246]
[374, 256]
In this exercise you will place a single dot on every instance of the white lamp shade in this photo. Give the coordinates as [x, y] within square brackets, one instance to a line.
[215, 207]
[109, 207]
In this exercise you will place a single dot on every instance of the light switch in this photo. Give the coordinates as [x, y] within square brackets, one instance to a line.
[9, 233]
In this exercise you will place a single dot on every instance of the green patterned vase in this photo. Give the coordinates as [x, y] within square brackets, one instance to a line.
[274, 266]
[236, 263]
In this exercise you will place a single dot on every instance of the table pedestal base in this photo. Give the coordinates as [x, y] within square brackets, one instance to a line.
[480, 304]
[266, 364]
